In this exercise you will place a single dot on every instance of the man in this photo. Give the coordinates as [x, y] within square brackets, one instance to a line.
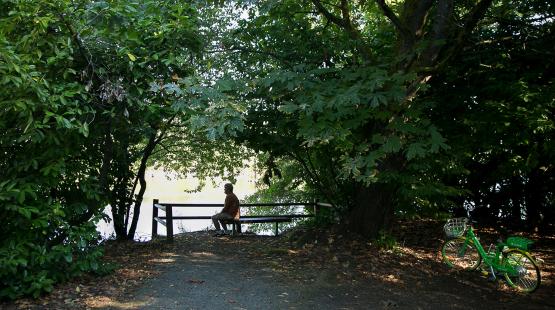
[229, 212]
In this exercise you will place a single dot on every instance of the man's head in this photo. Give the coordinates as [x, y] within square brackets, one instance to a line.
[228, 188]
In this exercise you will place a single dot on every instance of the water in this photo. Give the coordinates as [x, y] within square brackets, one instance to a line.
[168, 189]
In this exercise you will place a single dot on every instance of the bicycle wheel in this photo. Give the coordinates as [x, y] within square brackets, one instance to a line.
[456, 255]
[526, 276]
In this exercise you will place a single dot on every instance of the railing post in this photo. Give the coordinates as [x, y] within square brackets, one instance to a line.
[316, 207]
[154, 221]
[276, 229]
[169, 223]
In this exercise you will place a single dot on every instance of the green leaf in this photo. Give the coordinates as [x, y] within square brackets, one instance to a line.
[85, 129]
[289, 108]
[437, 140]
[21, 197]
[25, 212]
[392, 144]
[415, 150]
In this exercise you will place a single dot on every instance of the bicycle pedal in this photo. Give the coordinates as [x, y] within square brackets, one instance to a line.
[492, 279]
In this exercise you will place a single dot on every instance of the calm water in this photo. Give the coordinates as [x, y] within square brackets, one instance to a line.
[166, 188]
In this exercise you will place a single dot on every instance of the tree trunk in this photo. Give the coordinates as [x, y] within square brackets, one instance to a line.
[152, 142]
[119, 201]
[534, 197]
[118, 218]
[516, 194]
[373, 211]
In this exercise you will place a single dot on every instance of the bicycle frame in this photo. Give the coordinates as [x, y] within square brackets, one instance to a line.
[492, 260]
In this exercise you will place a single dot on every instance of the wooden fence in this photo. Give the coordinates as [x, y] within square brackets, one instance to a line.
[169, 218]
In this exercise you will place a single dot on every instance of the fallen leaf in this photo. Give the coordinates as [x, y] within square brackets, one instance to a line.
[195, 281]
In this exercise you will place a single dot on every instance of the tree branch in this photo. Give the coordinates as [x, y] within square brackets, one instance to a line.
[440, 33]
[345, 13]
[327, 14]
[253, 51]
[388, 12]
[448, 51]
[345, 23]
[472, 20]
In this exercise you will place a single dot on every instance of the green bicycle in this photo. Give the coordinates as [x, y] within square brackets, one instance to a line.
[509, 258]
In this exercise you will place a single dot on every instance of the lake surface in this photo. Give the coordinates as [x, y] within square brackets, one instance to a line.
[167, 188]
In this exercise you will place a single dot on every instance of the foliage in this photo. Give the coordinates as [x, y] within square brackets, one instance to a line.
[502, 98]
[386, 241]
[279, 185]
[45, 185]
[355, 102]
[335, 105]
[80, 120]
[201, 143]
[127, 47]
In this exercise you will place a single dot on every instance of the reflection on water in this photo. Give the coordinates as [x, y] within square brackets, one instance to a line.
[167, 189]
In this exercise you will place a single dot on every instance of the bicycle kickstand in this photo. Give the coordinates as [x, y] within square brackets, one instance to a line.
[492, 277]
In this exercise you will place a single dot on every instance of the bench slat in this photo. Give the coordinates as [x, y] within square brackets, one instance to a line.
[196, 217]
[264, 219]
[207, 217]
[160, 220]
[211, 205]
[159, 206]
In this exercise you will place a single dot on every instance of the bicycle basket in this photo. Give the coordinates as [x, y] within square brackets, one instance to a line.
[519, 243]
[455, 227]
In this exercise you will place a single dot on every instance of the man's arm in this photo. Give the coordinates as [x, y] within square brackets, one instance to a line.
[227, 205]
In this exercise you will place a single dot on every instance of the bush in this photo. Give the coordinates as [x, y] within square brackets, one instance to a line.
[30, 267]
[386, 241]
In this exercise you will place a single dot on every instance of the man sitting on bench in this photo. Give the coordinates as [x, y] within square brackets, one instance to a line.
[229, 212]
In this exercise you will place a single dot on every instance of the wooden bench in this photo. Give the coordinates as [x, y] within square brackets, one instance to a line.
[236, 224]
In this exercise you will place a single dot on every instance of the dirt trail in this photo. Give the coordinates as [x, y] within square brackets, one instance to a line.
[300, 270]
[258, 272]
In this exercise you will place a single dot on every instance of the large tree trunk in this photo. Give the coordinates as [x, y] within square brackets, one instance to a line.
[373, 211]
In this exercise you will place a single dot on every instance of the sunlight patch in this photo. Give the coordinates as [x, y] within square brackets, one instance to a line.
[392, 279]
[105, 301]
[162, 260]
[202, 254]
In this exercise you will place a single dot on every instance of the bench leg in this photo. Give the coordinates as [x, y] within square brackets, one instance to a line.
[236, 228]
[276, 229]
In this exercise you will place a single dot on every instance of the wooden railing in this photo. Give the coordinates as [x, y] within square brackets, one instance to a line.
[169, 218]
